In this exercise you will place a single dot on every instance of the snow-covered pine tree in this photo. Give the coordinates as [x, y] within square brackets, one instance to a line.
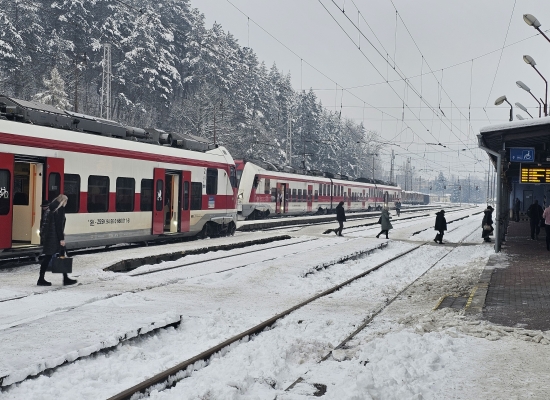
[54, 94]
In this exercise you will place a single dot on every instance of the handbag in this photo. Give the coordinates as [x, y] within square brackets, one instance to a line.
[487, 227]
[380, 220]
[61, 264]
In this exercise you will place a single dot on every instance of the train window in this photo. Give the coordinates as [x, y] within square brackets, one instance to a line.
[211, 181]
[5, 186]
[186, 195]
[196, 195]
[267, 186]
[72, 191]
[299, 194]
[293, 194]
[125, 191]
[256, 182]
[21, 180]
[345, 196]
[233, 177]
[316, 197]
[159, 191]
[98, 193]
[54, 186]
[273, 195]
[146, 201]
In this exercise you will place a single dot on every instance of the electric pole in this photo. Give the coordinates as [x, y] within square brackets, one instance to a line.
[391, 166]
[105, 107]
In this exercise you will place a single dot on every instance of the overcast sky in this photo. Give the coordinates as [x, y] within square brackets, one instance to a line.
[447, 33]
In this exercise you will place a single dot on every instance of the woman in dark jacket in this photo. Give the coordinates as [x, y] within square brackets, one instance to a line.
[385, 223]
[54, 238]
[487, 223]
[340, 217]
[440, 226]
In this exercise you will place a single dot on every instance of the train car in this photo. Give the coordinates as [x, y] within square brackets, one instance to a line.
[266, 191]
[119, 191]
[415, 198]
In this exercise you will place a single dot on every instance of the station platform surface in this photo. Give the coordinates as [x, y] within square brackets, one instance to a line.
[518, 293]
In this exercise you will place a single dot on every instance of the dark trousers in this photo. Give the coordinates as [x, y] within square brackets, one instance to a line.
[535, 227]
[439, 236]
[516, 212]
[547, 229]
[340, 227]
[383, 231]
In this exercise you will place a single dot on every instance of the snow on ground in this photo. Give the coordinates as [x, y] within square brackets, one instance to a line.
[408, 351]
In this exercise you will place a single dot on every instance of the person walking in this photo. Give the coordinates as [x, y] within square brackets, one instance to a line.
[53, 238]
[440, 226]
[385, 222]
[534, 212]
[340, 217]
[546, 218]
[487, 224]
[43, 218]
[517, 206]
[398, 207]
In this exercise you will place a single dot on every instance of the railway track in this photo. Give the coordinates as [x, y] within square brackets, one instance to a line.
[170, 377]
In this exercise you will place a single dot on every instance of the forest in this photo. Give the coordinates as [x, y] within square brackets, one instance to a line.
[171, 71]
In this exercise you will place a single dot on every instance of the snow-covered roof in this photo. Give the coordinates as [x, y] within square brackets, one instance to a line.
[517, 124]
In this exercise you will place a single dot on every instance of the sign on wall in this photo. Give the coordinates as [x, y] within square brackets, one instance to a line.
[522, 154]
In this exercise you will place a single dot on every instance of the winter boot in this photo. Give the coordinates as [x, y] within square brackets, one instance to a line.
[68, 281]
[43, 282]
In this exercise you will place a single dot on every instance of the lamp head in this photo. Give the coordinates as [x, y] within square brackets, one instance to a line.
[531, 20]
[523, 86]
[529, 60]
[519, 117]
[500, 100]
[521, 107]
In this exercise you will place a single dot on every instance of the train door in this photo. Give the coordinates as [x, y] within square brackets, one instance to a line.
[27, 197]
[349, 197]
[171, 203]
[363, 199]
[185, 213]
[309, 198]
[6, 212]
[281, 202]
[158, 204]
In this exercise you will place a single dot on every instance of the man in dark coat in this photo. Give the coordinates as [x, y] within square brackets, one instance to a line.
[54, 238]
[398, 207]
[487, 222]
[340, 217]
[535, 215]
[440, 226]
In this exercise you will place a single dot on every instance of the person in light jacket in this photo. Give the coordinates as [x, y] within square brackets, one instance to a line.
[54, 238]
[546, 218]
[385, 222]
[340, 217]
[440, 226]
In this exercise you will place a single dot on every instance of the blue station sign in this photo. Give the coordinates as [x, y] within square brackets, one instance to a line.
[522, 154]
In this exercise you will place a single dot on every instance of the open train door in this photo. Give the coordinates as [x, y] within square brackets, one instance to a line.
[6, 199]
[55, 173]
[185, 214]
[158, 204]
[281, 204]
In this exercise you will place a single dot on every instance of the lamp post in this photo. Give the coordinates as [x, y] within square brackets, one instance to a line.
[503, 99]
[532, 21]
[523, 86]
[522, 107]
[529, 60]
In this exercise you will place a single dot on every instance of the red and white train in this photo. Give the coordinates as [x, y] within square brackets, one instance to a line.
[119, 190]
[264, 192]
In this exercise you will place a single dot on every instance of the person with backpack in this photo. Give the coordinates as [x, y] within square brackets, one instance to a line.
[440, 226]
[534, 212]
[340, 217]
[52, 237]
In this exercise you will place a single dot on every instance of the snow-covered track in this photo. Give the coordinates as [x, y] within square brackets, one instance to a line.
[171, 376]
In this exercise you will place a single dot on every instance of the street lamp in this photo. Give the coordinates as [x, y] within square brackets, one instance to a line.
[503, 99]
[522, 107]
[523, 86]
[532, 21]
[529, 60]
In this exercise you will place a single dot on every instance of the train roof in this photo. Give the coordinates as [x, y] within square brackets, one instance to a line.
[36, 113]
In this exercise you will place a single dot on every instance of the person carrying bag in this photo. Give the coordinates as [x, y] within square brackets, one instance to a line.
[53, 239]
